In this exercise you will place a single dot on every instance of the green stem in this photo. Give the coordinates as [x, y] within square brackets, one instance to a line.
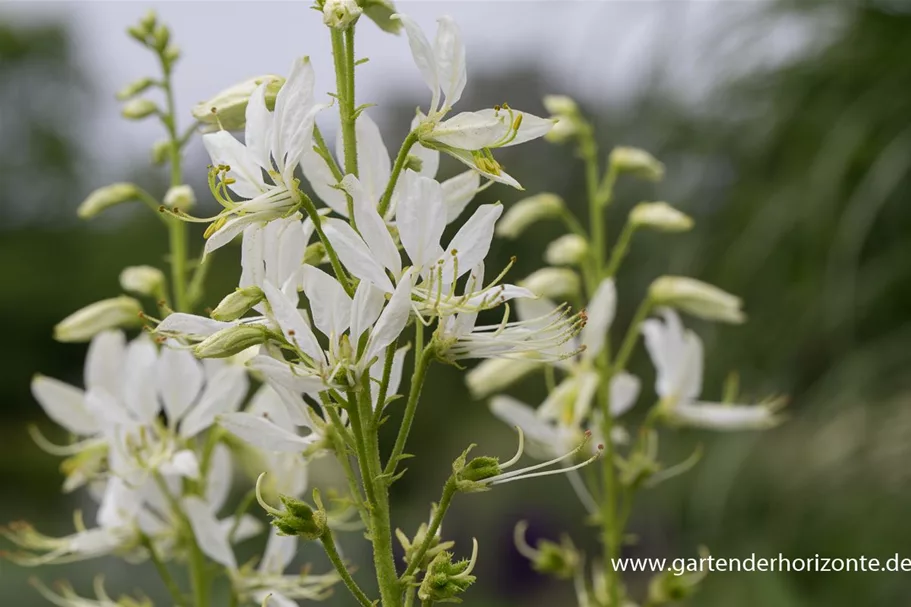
[315, 217]
[449, 491]
[414, 395]
[620, 249]
[326, 154]
[400, 161]
[343, 53]
[632, 336]
[341, 452]
[409, 596]
[163, 572]
[384, 383]
[332, 553]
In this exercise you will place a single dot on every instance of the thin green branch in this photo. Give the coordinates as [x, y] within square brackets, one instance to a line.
[449, 491]
[400, 161]
[417, 382]
[163, 572]
[331, 551]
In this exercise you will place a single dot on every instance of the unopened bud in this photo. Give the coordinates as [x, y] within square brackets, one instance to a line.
[228, 107]
[231, 341]
[84, 324]
[496, 374]
[568, 250]
[180, 197]
[142, 280]
[414, 163]
[105, 197]
[560, 105]
[171, 54]
[638, 162]
[160, 151]
[148, 21]
[314, 254]
[381, 12]
[300, 520]
[528, 211]
[134, 88]
[660, 216]
[445, 580]
[161, 36]
[238, 303]
[697, 298]
[676, 585]
[559, 560]
[564, 130]
[137, 109]
[339, 14]
[553, 283]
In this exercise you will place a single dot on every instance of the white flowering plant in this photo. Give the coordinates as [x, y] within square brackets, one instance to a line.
[308, 357]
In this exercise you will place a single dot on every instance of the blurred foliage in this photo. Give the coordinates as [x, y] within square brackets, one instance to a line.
[797, 175]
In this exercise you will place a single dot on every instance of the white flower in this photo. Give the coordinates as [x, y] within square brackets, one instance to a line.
[677, 355]
[274, 144]
[339, 13]
[468, 136]
[127, 387]
[421, 218]
[375, 168]
[460, 337]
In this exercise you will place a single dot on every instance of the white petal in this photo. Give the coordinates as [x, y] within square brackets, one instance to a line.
[263, 434]
[267, 403]
[624, 390]
[516, 413]
[253, 256]
[292, 105]
[285, 246]
[500, 176]
[65, 405]
[531, 127]
[373, 163]
[717, 416]
[139, 388]
[104, 361]
[421, 219]
[225, 392]
[233, 227]
[258, 134]
[273, 598]
[450, 59]
[329, 303]
[430, 159]
[354, 253]
[372, 227]
[366, 308]
[423, 56]
[600, 310]
[323, 182]
[293, 325]
[218, 479]
[392, 321]
[472, 130]
[458, 191]
[224, 149]
[247, 528]
[472, 241]
[283, 374]
[210, 537]
[279, 552]
[183, 463]
[180, 379]
[191, 325]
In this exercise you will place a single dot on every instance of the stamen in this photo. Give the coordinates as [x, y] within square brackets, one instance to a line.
[524, 472]
[262, 502]
[519, 452]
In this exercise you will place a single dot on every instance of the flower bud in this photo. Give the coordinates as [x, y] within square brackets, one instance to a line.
[300, 520]
[137, 109]
[559, 560]
[339, 14]
[84, 324]
[161, 36]
[148, 21]
[381, 12]
[560, 105]
[697, 298]
[314, 254]
[180, 197]
[134, 88]
[238, 303]
[660, 216]
[568, 250]
[142, 280]
[171, 54]
[445, 580]
[553, 283]
[105, 197]
[412, 546]
[673, 586]
[528, 211]
[638, 162]
[228, 107]
[230, 341]
[496, 374]
[160, 151]
[564, 130]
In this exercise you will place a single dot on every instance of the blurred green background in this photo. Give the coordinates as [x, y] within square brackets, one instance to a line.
[798, 174]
